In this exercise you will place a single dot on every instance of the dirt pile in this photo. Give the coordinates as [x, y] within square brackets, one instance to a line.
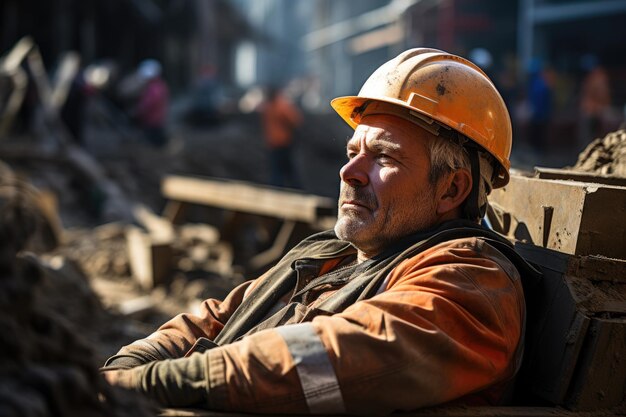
[200, 268]
[46, 367]
[605, 156]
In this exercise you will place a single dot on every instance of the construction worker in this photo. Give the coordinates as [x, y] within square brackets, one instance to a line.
[280, 118]
[595, 100]
[153, 102]
[407, 303]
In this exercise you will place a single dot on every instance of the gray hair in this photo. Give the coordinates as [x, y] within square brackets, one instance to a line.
[448, 155]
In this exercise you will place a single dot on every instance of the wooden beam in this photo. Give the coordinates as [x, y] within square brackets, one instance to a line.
[566, 174]
[158, 227]
[20, 51]
[428, 412]
[578, 218]
[248, 198]
[150, 258]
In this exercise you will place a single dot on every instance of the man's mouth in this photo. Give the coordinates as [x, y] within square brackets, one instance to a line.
[351, 204]
[357, 199]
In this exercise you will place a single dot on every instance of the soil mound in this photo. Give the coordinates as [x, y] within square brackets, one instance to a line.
[605, 156]
[46, 367]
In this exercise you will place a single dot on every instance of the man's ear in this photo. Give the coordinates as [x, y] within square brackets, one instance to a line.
[453, 190]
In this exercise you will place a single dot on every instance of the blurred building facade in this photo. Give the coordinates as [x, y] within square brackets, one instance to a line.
[335, 44]
[569, 38]
[331, 46]
[341, 40]
[186, 36]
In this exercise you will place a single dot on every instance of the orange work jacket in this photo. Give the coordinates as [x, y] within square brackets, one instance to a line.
[443, 326]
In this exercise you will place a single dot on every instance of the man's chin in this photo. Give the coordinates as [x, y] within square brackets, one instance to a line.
[350, 230]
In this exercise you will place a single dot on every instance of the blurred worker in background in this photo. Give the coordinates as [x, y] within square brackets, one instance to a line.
[73, 110]
[280, 118]
[540, 102]
[153, 102]
[595, 99]
[409, 302]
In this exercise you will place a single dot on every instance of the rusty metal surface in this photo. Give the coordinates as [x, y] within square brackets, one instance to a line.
[568, 216]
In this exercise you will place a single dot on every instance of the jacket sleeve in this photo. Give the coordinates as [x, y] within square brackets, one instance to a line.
[174, 338]
[446, 325]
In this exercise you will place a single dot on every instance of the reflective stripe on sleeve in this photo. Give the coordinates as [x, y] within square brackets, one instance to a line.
[316, 373]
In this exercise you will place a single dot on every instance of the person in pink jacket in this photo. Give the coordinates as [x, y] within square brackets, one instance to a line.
[153, 103]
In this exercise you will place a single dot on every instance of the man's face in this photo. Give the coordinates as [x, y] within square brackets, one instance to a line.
[385, 192]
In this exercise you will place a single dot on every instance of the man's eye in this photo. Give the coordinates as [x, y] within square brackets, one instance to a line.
[384, 158]
[351, 155]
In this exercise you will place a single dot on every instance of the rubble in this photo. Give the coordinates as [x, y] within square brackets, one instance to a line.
[605, 156]
[47, 366]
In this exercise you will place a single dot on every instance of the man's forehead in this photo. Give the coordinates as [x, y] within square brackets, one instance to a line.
[374, 134]
[388, 132]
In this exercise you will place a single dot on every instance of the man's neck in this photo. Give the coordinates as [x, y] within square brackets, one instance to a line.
[363, 255]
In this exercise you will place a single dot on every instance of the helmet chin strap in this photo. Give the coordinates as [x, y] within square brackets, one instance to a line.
[471, 210]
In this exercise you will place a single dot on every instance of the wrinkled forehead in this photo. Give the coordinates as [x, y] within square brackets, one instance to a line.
[392, 132]
[373, 133]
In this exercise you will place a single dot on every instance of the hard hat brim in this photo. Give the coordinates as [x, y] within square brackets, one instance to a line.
[353, 108]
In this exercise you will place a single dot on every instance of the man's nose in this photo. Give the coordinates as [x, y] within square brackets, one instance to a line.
[354, 172]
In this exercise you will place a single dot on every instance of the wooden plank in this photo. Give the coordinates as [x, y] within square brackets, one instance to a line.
[174, 211]
[525, 198]
[566, 174]
[568, 216]
[248, 198]
[429, 412]
[601, 379]
[504, 412]
[69, 67]
[20, 51]
[137, 307]
[599, 268]
[158, 227]
[150, 259]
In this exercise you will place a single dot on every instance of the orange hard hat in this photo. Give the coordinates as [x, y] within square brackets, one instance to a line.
[438, 91]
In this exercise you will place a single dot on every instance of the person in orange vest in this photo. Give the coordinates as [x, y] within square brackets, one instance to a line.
[408, 302]
[280, 118]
